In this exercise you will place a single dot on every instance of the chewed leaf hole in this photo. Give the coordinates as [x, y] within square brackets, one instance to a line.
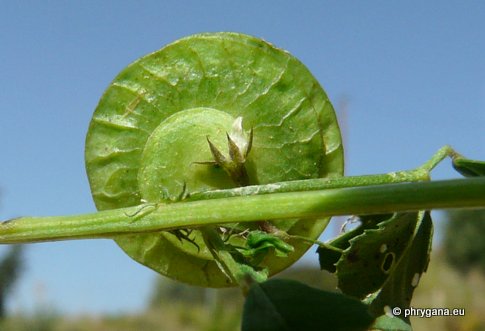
[388, 262]
[351, 223]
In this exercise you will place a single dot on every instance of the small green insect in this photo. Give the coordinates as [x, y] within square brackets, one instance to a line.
[186, 104]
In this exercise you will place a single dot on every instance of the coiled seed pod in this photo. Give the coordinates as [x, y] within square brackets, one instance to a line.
[158, 127]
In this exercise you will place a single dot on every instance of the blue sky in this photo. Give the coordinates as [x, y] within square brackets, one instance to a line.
[410, 76]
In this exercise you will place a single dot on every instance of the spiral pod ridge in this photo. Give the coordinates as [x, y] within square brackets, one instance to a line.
[148, 139]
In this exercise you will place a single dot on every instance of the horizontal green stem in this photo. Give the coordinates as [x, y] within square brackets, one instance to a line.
[459, 193]
[315, 184]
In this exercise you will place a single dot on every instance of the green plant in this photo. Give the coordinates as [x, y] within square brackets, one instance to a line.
[178, 201]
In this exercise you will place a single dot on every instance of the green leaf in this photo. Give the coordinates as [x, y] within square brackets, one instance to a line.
[373, 255]
[384, 265]
[390, 323]
[469, 168]
[286, 305]
[260, 242]
[398, 289]
[328, 257]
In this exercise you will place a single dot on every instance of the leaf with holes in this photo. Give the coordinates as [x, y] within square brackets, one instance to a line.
[328, 257]
[398, 289]
[373, 255]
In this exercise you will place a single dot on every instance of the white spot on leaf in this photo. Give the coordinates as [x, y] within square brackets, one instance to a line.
[415, 280]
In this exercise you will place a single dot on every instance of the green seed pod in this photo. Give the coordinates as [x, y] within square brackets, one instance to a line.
[148, 139]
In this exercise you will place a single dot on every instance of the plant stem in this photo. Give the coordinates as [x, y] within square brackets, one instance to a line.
[223, 258]
[315, 184]
[440, 155]
[419, 174]
[458, 193]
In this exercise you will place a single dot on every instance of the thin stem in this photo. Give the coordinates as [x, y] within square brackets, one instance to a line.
[310, 204]
[440, 155]
[314, 184]
[319, 243]
[222, 257]
[421, 173]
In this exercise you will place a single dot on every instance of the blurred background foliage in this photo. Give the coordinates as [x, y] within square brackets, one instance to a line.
[172, 306]
[176, 306]
[464, 243]
[10, 269]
